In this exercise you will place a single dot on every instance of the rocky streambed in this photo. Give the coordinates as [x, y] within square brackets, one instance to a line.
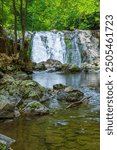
[58, 90]
[25, 101]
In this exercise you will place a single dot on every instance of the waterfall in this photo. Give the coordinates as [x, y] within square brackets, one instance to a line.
[62, 46]
[66, 46]
[48, 45]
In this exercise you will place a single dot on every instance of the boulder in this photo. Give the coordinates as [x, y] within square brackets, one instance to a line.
[67, 93]
[50, 63]
[39, 66]
[86, 67]
[69, 68]
[14, 92]
[59, 86]
[35, 108]
[5, 142]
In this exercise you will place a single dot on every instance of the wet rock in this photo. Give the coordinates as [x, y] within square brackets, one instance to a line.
[21, 76]
[90, 67]
[67, 93]
[7, 111]
[1, 75]
[13, 93]
[5, 142]
[39, 66]
[52, 63]
[45, 65]
[35, 108]
[70, 68]
[21, 88]
[70, 96]
[59, 86]
[61, 123]
[51, 70]
[68, 89]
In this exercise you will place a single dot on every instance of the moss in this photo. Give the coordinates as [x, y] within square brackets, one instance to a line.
[68, 44]
[70, 68]
[74, 68]
[34, 104]
[3, 146]
[29, 47]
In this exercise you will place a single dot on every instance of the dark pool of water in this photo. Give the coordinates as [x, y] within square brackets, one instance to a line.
[71, 129]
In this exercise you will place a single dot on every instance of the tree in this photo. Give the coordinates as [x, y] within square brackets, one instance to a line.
[23, 17]
[2, 18]
[15, 25]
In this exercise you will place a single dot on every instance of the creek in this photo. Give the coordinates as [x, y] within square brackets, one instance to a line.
[67, 129]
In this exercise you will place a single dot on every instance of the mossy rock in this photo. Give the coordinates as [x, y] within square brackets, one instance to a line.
[70, 68]
[3, 145]
[59, 86]
[35, 108]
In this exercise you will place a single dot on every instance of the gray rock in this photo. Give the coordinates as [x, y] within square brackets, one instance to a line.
[6, 140]
[59, 86]
[13, 93]
[35, 108]
[68, 93]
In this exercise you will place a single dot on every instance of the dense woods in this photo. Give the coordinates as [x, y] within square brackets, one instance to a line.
[49, 14]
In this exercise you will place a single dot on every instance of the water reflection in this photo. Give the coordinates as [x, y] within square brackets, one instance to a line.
[76, 80]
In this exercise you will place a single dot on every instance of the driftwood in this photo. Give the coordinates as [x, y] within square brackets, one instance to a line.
[78, 102]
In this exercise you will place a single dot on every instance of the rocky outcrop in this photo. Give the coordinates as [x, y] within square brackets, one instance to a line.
[27, 97]
[15, 95]
[11, 64]
[46, 65]
[54, 65]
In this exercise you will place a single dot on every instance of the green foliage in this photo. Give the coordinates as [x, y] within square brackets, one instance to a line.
[57, 14]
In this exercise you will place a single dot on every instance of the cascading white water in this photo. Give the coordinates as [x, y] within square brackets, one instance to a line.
[53, 45]
[48, 45]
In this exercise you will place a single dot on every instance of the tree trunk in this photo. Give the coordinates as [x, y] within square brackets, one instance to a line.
[15, 26]
[23, 14]
[2, 1]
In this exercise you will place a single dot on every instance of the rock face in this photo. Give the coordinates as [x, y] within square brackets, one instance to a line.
[71, 47]
[11, 64]
[13, 94]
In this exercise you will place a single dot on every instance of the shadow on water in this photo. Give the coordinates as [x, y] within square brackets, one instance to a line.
[72, 129]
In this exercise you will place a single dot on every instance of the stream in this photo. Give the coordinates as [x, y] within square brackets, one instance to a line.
[72, 129]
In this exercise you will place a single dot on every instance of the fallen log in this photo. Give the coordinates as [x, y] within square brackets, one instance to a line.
[78, 102]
